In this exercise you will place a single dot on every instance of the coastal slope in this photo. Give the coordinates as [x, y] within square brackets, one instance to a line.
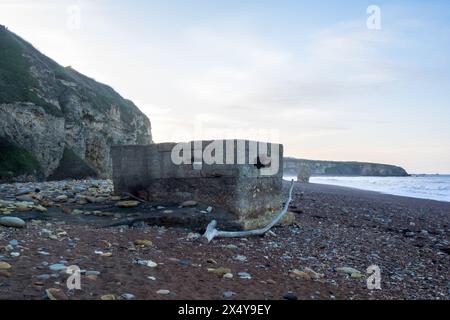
[55, 122]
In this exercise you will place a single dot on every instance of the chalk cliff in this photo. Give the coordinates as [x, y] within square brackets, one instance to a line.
[56, 122]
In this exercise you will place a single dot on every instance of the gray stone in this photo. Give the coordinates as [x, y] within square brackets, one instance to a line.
[240, 258]
[290, 296]
[12, 222]
[244, 275]
[351, 271]
[229, 294]
[25, 198]
[57, 267]
[127, 296]
[23, 191]
[163, 292]
[43, 276]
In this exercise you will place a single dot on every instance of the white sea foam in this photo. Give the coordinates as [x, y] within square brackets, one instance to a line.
[435, 187]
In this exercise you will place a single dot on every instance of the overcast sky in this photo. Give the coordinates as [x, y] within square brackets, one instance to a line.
[311, 76]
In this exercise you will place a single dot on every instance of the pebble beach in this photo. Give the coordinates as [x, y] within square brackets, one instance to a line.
[47, 228]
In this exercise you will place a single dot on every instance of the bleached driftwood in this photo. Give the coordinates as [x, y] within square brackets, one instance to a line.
[211, 231]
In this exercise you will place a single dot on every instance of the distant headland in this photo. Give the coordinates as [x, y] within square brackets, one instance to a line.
[293, 166]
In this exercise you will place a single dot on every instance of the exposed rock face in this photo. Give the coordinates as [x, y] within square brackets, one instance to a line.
[60, 115]
[294, 166]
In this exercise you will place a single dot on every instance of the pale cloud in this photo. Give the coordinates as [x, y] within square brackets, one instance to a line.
[323, 96]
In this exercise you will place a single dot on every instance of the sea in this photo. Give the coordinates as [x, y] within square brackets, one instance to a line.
[434, 187]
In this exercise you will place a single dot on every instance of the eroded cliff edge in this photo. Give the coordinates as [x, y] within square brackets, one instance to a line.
[56, 123]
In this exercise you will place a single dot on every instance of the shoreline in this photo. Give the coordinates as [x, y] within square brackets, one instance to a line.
[375, 193]
[392, 193]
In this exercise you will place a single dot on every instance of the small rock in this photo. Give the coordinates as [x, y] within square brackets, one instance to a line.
[127, 296]
[56, 294]
[354, 273]
[147, 263]
[244, 275]
[297, 274]
[46, 233]
[25, 198]
[240, 258]
[4, 265]
[184, 262]
[144, 243]
[5, 274]
[290, 296]
[40, 208]
[61, 198]
[306, 274]
[23, 191]
[219, 271]
[228, 275]
[127, 204]
[189, 203]
[348, 270]
[12, 222]
[77, 212]
[66, 210]
[193, 236]
[163, 292]
[229, 294]
[43, 276]
[57, 267]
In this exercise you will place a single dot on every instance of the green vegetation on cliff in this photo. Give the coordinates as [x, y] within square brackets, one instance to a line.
[18, 85]
[16, 82]
[15, 162]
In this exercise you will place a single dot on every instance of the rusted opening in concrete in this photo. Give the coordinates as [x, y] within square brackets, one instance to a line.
[259, 164]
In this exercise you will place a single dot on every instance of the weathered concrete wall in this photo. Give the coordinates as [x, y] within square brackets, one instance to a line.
[242, 189]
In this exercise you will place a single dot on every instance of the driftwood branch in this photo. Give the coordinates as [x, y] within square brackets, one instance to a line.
[211, 231]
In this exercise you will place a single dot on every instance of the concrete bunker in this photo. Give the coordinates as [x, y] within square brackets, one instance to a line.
[239, 176]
